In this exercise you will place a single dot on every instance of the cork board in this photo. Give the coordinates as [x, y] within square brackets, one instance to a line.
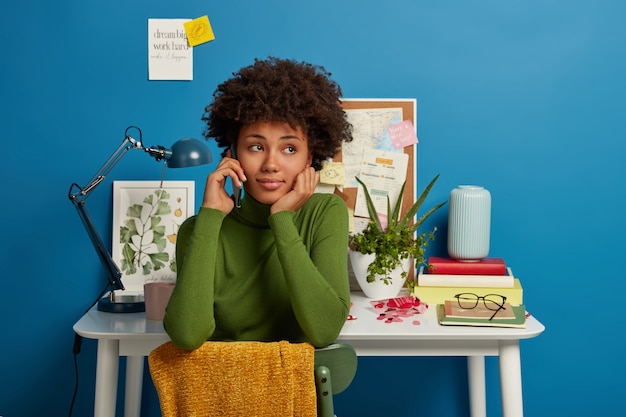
[408, 108]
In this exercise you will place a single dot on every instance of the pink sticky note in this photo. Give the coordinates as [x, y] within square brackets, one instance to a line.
[402, 134]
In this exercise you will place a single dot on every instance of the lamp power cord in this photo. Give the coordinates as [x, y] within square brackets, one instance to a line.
[78, 341]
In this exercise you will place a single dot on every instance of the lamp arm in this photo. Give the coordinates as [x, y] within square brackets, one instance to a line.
[81, 193]
[78, 196]
[113, 273]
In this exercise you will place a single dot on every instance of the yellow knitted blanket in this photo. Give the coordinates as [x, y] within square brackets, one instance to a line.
[235, 379]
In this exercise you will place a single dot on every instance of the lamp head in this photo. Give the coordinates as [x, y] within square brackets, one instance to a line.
[184, 153]
[189, 152]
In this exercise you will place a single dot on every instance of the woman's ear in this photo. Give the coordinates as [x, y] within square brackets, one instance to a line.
[309, 160]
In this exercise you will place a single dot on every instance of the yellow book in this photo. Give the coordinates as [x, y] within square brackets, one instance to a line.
[438, 295]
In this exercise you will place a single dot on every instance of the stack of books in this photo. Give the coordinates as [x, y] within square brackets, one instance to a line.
[446, 277]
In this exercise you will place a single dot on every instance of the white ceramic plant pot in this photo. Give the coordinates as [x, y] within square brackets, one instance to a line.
[378, 290]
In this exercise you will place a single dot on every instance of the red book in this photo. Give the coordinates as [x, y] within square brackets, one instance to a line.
[485, 266]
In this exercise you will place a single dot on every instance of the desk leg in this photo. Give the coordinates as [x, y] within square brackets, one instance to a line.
[477, 391]
[107, 369]
[134, 385]
[511, 379]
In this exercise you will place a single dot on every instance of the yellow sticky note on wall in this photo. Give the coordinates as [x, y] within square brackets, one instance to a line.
[198, 31]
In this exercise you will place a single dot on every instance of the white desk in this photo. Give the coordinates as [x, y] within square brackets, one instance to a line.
[133, 336]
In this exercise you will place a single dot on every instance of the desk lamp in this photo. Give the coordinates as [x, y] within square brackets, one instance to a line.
[184, 153]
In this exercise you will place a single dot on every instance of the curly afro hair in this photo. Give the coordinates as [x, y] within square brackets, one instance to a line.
[282, 90]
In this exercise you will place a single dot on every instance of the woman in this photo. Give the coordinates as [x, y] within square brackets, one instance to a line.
[274, 268]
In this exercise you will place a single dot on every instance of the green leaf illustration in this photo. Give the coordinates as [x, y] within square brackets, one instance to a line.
[144, 237]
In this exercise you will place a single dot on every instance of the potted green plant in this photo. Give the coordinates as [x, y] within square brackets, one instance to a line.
[391, 249]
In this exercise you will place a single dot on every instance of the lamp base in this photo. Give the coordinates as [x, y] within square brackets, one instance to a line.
[122, 304]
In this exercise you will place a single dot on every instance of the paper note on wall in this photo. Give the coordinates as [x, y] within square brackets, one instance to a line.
[169, 55]
[384, 173]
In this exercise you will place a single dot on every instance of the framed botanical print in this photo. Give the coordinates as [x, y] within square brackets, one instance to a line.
[146, 218]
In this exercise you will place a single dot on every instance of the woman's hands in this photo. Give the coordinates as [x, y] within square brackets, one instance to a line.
[303, 189]
[215, 195]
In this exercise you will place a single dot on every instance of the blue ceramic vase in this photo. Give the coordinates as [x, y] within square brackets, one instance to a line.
[469, 223]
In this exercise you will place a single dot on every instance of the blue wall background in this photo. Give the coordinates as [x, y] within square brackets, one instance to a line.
[525, 98]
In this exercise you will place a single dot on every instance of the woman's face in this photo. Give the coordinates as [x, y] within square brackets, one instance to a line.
[272, 154]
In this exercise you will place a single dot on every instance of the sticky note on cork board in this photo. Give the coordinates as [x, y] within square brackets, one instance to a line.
[402, 134]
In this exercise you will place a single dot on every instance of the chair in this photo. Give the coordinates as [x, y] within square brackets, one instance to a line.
[335, 367]
[186, 380]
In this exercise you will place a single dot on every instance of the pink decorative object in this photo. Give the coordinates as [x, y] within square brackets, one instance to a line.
[394, 310]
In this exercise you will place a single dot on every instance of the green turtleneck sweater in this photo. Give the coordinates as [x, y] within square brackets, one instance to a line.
[250, 275]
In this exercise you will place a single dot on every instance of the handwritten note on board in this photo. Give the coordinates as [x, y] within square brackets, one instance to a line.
[333, 173]
[402, 134]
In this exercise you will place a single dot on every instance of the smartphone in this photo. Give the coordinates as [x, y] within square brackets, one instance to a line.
[237, 191]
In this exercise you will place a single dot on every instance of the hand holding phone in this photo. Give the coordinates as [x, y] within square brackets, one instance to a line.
[216, 195]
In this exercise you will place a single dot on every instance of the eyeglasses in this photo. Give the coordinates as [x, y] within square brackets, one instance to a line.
[492, 302]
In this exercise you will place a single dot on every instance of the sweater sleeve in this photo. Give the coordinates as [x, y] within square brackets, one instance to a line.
[189, 318]
[316, 273]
